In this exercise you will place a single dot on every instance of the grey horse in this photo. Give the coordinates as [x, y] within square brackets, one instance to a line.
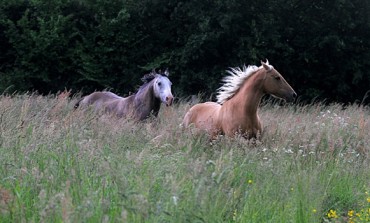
[146, 101]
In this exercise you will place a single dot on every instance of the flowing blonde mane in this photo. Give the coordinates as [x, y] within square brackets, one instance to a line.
[234, 81]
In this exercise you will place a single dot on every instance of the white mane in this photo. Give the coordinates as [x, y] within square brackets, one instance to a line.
[234, 81]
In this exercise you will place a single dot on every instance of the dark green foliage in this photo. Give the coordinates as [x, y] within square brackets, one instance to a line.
[321, 47]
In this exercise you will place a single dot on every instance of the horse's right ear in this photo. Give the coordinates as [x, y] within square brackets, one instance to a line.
[266, 65]
[166, 72]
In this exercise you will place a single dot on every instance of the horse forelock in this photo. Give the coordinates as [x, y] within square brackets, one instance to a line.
[152, 75]
[148, 81]
[234, 81]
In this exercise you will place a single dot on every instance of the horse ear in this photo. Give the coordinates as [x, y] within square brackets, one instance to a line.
[267, 62]
[266, 65]
[166, 72]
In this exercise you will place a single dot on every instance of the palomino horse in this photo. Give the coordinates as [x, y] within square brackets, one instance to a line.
[238, 99]
[146, 101]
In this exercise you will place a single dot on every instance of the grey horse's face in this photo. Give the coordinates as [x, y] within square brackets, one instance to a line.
[162, 89]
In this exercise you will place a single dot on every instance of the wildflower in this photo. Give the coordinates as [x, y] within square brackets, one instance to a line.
[350, 213]
[234, 215]
[332, 214]
[250, 181]
[174, 199]
[314, 210]
[210, 162]
[368, 199]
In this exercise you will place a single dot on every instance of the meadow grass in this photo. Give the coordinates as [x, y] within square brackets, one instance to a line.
[58, 164]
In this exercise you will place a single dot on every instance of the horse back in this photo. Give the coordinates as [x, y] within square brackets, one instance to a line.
[204, 116]
[97, 99]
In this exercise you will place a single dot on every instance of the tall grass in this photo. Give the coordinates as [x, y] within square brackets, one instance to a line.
[63, 165]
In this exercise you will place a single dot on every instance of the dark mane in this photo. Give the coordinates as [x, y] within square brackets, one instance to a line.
[146, 79]
[149, 77]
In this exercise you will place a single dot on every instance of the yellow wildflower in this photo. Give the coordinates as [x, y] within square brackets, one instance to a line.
[314, 210]
[332, 214]
[350, 213]
[250, 181]
[368, 199]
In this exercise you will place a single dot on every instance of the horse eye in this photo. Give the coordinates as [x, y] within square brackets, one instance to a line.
[159, 83]
[277, 77]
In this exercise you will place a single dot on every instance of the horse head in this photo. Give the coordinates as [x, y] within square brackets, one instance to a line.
[276, 85]
[162, 87]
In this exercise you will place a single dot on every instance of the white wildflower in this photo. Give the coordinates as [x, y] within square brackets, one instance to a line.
[175, 199]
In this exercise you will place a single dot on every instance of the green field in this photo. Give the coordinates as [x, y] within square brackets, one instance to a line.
[61, 165]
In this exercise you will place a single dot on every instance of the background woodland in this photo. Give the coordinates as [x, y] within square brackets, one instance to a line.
[321, 47]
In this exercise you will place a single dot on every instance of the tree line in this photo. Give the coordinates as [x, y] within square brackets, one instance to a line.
[321, 47]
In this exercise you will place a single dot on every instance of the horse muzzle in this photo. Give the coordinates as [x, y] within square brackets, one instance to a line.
[169, 100]
[291, 97]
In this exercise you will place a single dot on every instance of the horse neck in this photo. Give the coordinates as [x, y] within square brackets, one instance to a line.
[146, 102]
[249, 95]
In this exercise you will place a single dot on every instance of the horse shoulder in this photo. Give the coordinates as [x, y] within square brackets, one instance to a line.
[124, 106]
[229, 119]
[234, 121]
[110, 106]
[128, 103]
